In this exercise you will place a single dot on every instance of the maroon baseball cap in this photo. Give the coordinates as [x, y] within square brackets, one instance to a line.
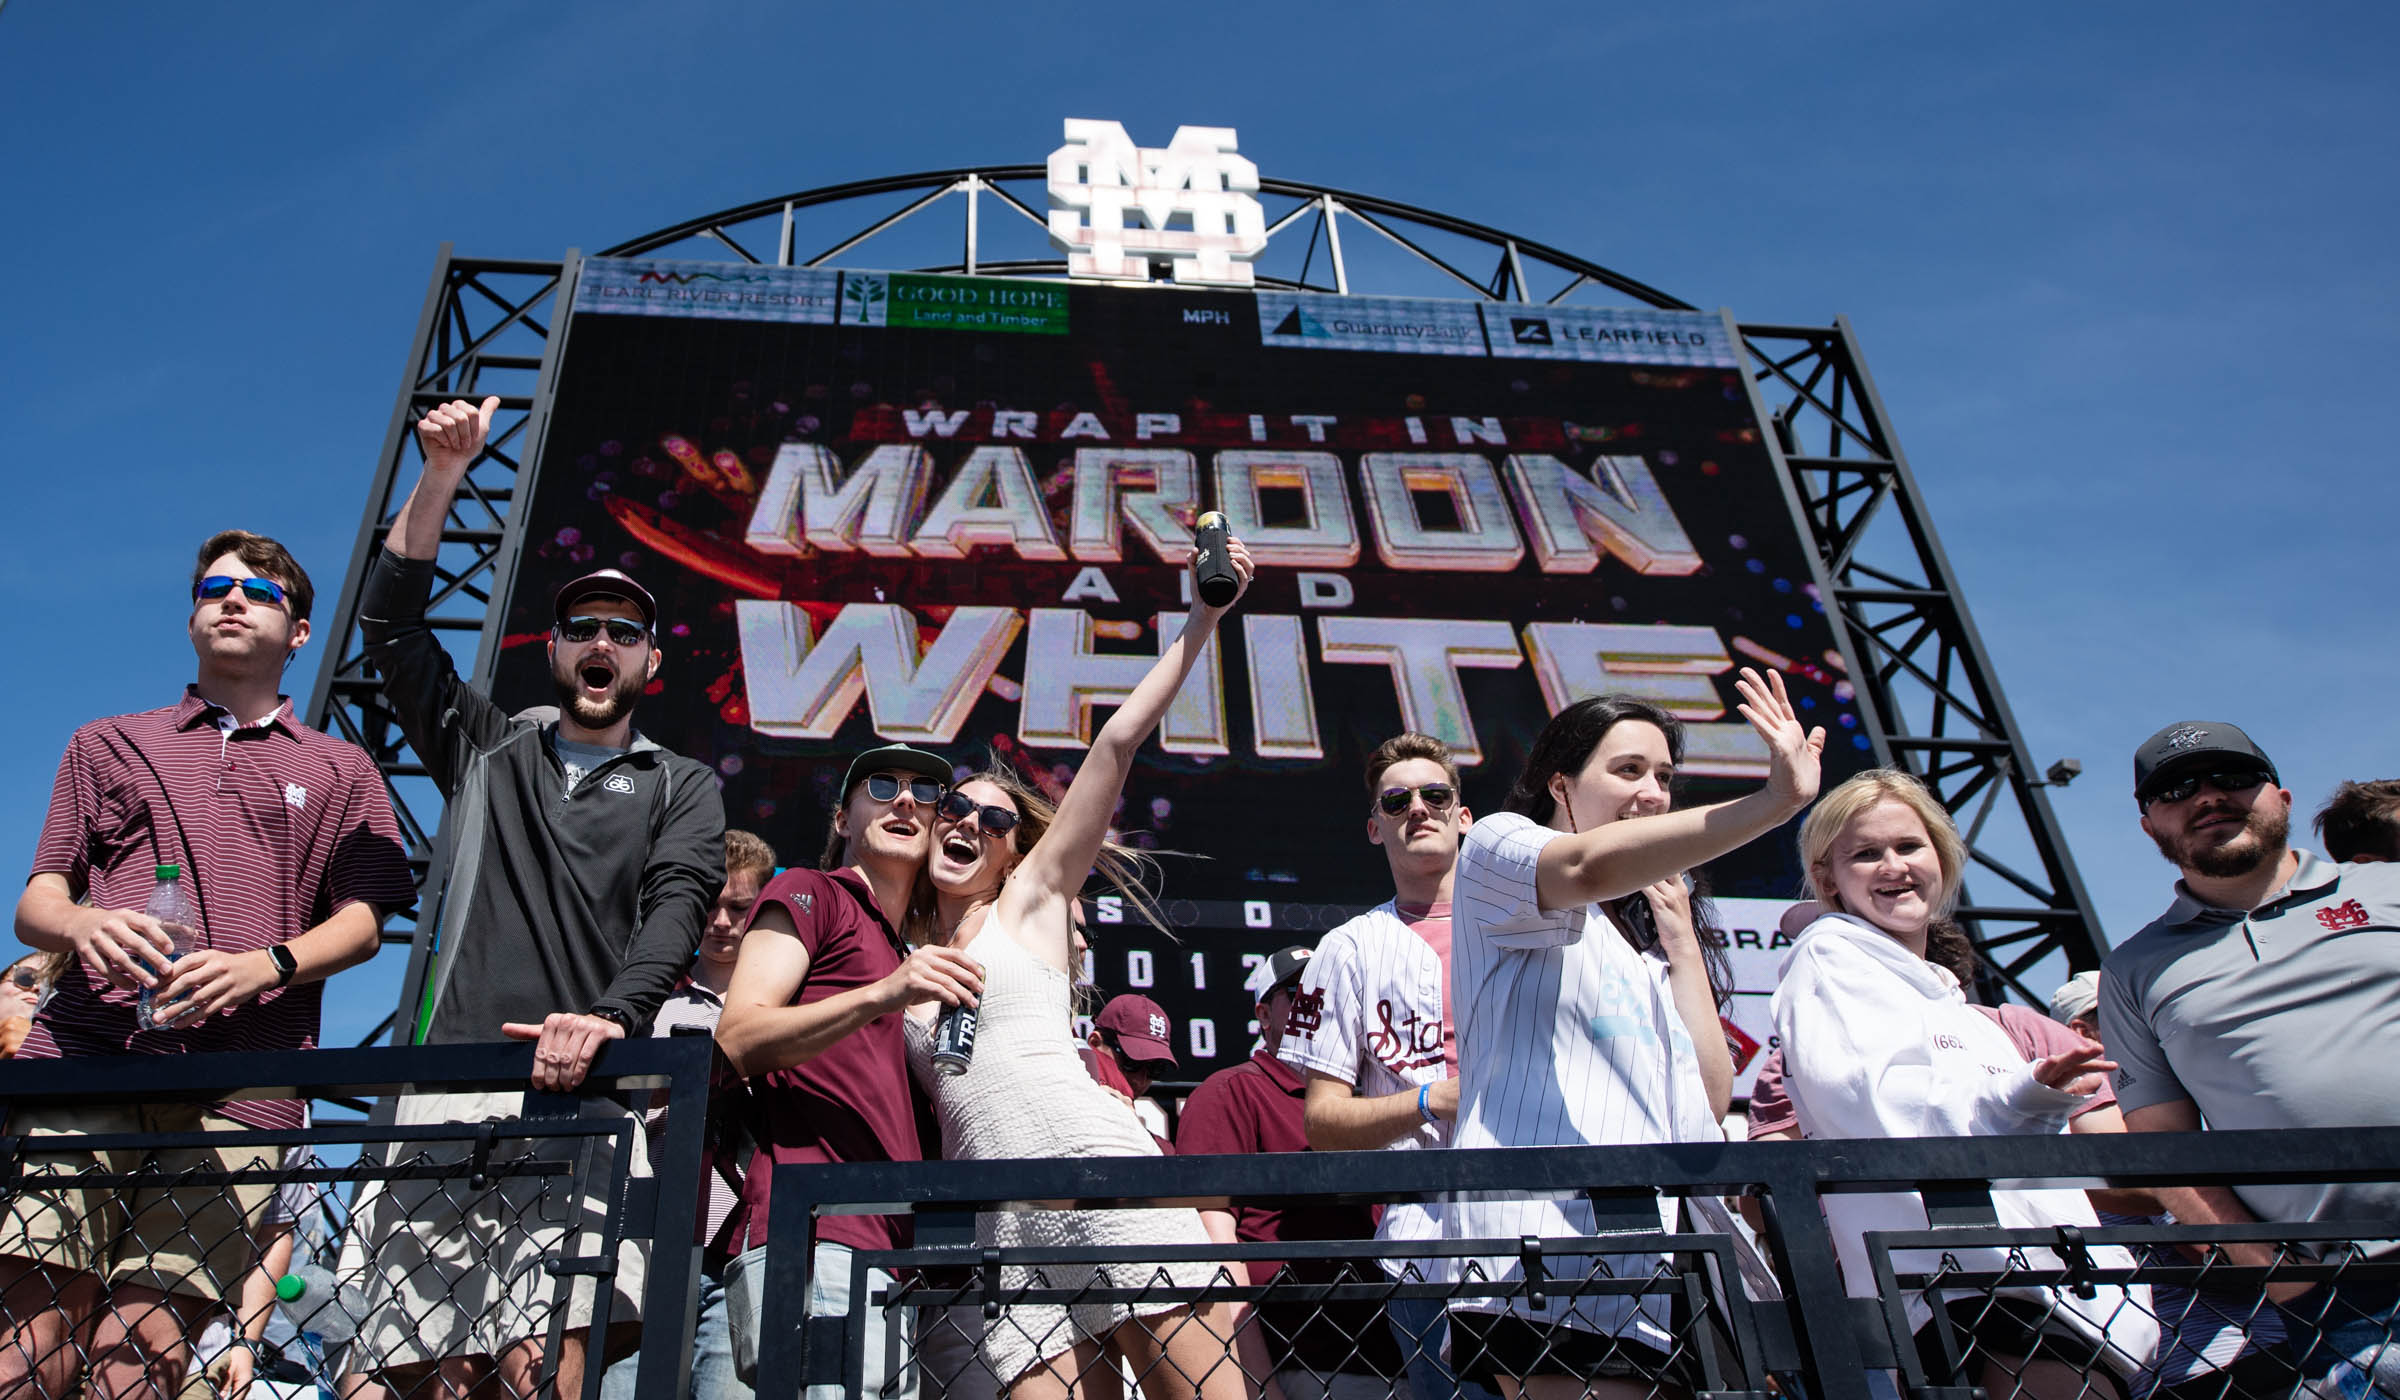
[606, 583]
[1140, 1025]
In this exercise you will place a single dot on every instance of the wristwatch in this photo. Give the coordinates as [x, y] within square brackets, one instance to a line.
[285, 963]
[623, 1018]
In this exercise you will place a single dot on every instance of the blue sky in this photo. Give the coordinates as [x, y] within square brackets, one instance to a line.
[2124, 275]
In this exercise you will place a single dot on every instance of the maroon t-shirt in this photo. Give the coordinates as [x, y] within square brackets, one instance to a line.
[1257, 1106]
[277, 827]
[2034, 1035]
[854, 1102]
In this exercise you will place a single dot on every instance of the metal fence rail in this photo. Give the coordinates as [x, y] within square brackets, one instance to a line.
[469, 1207]
[1790, 1328]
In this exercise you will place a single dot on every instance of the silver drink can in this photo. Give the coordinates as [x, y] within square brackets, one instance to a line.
[954, 1039]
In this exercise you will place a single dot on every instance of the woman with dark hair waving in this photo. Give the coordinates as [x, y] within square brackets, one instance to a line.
[1582, 1021]
[1879, 1041]
[1005, 869]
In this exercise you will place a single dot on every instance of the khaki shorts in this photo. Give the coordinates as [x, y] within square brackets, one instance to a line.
[458, 1271]
[194, 1240]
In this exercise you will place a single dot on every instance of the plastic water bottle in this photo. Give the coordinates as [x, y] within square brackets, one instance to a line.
[170, 904]
[326, 1314]
[316, 1303]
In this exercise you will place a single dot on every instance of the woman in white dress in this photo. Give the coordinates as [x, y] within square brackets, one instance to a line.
[1586, 1015]
[1880, 1042]
[1006, 869]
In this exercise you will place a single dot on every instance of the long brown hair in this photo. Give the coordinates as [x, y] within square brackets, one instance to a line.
[1131, 873]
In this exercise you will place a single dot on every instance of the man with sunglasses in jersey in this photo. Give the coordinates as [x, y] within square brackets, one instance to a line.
[1371, 1027]
[2267, 996]
[813, 1019]
[284, 841]
[584, 860]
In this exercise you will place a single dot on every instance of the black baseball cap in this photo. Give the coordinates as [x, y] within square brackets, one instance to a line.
[890, 756]
[2192, 746]
[606, 583]
[1285, 965]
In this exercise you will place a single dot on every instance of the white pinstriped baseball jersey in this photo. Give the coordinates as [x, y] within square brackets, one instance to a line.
[1566, 1036]
[1370, 1013]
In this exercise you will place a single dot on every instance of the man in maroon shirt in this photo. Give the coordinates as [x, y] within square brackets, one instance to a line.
[1259, 1105]
[284, 841]
[813, 1019]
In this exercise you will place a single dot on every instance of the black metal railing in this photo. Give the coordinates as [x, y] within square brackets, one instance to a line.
[469, 1212]
[506, 1210]
[1987, 1307]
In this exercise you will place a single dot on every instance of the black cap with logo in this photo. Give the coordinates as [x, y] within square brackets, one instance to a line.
[2190, 746]
[900, 757]
[1285, 966]
[606, 583]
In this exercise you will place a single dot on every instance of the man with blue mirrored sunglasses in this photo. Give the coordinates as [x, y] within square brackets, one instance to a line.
[283, 841]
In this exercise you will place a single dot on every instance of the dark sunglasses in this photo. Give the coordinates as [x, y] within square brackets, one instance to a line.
[995, 821]
[2233, 782]
[1438, 797]
[265, 592]
[27, 978]
[885, 787]
[624, 631]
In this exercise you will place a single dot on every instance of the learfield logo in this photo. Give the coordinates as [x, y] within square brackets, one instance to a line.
[1619, 335]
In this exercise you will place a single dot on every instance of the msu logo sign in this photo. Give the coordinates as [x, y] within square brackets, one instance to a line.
[1115, 205]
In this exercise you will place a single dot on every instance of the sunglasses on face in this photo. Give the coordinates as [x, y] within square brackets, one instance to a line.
[1438, 797]
[27, 979]
[2233, 782]
[995, 821]
[885, 787]
[623, 631]
[265, 592]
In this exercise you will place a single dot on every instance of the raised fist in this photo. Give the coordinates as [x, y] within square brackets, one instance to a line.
[453, 435]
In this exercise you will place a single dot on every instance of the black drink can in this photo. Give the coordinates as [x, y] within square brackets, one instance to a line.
[954, 1039]
[1217, 582]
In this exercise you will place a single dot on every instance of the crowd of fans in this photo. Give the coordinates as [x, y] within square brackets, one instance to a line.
[1542, 975]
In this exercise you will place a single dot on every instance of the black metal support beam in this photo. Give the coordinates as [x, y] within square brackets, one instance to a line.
[1924, 681]
[486, 329]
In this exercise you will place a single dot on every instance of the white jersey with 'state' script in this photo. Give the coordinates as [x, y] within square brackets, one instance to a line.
[1369, 1013]
[1566, 1036]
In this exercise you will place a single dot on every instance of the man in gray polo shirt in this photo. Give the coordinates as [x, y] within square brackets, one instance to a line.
[2223, 1010]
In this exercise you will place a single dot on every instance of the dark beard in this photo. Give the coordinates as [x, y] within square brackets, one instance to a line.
[597, 714]
[2261, 840]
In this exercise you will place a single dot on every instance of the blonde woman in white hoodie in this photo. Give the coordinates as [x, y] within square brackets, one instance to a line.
[1879, 1042]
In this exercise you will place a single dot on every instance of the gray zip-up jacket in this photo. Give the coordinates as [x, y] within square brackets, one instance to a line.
[556, 902]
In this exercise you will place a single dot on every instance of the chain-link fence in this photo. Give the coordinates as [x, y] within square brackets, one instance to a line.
[1672, 1293]
[474, 1239]
[158, 1243]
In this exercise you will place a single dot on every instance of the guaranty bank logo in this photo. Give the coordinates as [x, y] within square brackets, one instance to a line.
[1369, 323]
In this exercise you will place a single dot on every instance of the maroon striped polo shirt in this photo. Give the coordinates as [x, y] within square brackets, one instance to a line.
[276, 825]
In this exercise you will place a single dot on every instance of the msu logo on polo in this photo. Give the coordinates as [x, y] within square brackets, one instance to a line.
[2347, 914]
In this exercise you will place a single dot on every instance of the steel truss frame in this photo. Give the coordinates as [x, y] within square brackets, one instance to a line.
[1924, 681]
